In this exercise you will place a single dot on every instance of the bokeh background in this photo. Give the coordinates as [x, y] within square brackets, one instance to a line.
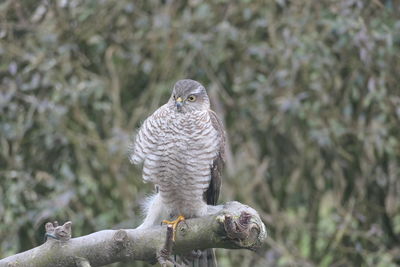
[308, 91]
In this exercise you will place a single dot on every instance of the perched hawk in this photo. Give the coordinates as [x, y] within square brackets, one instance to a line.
[181, 146]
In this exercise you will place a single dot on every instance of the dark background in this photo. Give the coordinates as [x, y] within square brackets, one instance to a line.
[308, 91]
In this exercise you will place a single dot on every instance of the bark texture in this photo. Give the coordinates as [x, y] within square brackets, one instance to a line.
[230, 226]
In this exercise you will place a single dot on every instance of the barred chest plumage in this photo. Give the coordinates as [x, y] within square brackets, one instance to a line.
[178, 153]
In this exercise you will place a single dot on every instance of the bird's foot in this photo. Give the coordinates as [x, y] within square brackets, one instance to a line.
[174, 225]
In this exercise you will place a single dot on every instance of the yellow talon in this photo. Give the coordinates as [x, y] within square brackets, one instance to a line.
[174, 224]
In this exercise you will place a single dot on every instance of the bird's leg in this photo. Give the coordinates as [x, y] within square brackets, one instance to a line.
[174, 224]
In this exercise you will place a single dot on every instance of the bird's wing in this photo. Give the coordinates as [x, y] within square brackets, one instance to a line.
[212, 193]
[142, 142]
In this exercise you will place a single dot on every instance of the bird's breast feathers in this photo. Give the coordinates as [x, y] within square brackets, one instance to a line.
[178, 149]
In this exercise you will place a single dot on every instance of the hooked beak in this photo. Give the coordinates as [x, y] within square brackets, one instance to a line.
[179, 103]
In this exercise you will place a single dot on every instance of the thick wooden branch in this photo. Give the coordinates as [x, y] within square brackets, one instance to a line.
[232, 225]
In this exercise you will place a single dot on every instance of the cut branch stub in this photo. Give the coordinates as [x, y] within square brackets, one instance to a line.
[243, 227]
[237, 229]
[120, 238]
[82, 262]
[54, 231]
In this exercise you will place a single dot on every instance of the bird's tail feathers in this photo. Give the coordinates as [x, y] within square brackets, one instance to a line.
[205, 258]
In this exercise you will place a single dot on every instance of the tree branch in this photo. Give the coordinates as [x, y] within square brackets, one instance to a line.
[232, 225]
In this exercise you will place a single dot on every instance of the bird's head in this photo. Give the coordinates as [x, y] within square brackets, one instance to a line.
[189, 95]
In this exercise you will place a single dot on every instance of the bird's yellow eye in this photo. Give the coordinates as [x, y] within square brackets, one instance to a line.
[191, 98]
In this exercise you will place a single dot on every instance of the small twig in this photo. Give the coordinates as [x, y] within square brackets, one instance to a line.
[169, 240]
[163, 256]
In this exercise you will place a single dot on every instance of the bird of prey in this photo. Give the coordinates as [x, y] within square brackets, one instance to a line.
[182, 149]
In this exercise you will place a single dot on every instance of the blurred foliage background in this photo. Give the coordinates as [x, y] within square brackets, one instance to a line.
[308, 91]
